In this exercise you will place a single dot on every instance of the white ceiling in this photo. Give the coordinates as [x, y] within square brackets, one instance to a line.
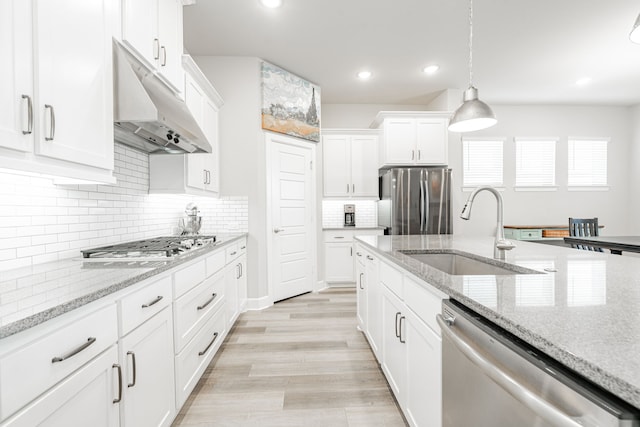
[528, 52]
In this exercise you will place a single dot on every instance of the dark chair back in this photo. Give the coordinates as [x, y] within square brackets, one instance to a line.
[584, 227]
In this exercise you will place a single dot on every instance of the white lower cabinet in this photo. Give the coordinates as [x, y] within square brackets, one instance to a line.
[88, 396]
[361, 289]
[374, 304]
[411, 345]
[339, 262]
[146, 357]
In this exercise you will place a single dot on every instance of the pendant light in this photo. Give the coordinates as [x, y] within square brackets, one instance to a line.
[473, 114]
[635, 32]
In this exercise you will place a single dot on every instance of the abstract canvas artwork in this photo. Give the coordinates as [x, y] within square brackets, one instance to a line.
[290, 104]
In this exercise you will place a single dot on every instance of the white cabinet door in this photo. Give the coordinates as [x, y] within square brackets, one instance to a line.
[196, 173]
[231, 293]
[170, 36]
[374, 305]
[423, 398]
[87, 394]
[393, 349]
[338, 262]
[16, 85]
[337, 169]
[242, 284]
[361, 289]
[364, 166]
[146, 356]
[400, 141]
[73, 77]
[140, 28]
[431, 141]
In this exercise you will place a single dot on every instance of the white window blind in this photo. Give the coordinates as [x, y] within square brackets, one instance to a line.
[482, 162]
[535, 162]
[587, 162]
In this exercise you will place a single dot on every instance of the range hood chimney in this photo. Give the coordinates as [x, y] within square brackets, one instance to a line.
[147, 114]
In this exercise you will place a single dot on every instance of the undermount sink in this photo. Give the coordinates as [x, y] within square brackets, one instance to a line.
[457, 264]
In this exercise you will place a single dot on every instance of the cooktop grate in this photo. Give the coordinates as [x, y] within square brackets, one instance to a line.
[160, 246]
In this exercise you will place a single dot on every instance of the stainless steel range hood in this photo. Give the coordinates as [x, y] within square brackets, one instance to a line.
[148, 115]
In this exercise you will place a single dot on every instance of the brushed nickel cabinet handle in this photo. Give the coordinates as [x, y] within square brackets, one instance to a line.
[52, 126]
[241, 270]
[119, 368]
[29, 115]
[243, 247]
[204, 176]
[358, 253]
[347, 188]
[351, 251]
[400, 336]
[233, 253]
[156, 48]
[353, 188]
[413, 155]
[213, 296]
[215, 336]
[361, 274]
[155, 301]
[164, 56]
[338, 237]
[369, 257]
[397, 334]
[75, 351]
[133, 362]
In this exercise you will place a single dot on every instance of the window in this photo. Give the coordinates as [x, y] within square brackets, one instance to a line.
[482, 162]
[536, 163]
[587, 162]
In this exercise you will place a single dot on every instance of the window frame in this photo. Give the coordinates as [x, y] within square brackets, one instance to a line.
[582, 187]
[540, 187]
[470, 187]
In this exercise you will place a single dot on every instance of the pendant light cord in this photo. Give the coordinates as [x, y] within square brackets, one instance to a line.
[470, 43]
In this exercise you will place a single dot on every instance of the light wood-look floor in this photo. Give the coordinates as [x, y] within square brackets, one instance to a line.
[301, 362]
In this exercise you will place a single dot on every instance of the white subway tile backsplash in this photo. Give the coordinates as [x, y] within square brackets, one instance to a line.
[43, 222]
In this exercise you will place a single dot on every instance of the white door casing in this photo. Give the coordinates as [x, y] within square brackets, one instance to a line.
[291, 231]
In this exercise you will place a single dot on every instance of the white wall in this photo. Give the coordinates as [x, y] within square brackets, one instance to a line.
[41, 221]
[358, 116]
[611, 207]
[634, 173]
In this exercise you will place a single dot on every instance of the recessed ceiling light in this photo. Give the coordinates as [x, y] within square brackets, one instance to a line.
[583, 81]
[271, 4]
[430, 69]
[364, 75]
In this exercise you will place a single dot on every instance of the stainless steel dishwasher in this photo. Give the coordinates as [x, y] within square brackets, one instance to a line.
[490, 378]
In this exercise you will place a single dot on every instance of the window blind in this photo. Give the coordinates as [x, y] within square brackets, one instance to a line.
[587, 162]
[535, 162]
[482, 162]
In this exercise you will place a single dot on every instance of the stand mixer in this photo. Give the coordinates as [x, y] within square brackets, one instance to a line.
[193, 222]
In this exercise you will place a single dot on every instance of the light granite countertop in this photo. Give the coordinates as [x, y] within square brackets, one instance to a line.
[353, 228]
[32, 295]
[586, 314]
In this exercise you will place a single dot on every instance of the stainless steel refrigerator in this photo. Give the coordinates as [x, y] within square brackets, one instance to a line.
[415, 201]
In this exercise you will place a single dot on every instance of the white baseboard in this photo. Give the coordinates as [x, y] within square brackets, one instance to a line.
[259, 303]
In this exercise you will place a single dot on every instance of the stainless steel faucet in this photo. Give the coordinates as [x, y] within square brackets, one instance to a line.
[501, 243]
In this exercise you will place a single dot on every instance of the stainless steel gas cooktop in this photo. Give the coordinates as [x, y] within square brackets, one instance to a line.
[156, 248]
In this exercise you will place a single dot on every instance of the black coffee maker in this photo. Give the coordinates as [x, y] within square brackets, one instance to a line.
[349, 215]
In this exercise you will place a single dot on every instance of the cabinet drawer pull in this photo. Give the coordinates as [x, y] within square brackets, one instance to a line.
[339, 237]
[347, 188]
[215, 336]
[133, 363]
[233, 253]
[413, 155]
[164, 56]
[155, 301]
[397, 315]
[418, 154]
[369, 257]
[353, 188]
[358, 253]
[204, 176]
[29, 115]
[119, 398]
[400, 336]
[75, 351]
[213, 296]
[242, 248]
[361, 274]
[52, 125]
[156, 49]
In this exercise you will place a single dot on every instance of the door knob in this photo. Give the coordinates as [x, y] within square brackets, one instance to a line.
[277, 230]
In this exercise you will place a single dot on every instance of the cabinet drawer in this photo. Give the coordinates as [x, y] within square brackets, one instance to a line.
[391, 278]
[338, 236]
[26, 373]
[194, 359]
[215, 262]
[360, 255]
[188, 277]
[530, 234]
[242, 247]
[424, 302]
[232, 252]
[141, 305]
[193, 309]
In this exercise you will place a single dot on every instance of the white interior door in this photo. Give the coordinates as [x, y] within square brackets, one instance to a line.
[292, 220]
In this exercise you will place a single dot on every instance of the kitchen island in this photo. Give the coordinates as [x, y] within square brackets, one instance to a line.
[582, 309]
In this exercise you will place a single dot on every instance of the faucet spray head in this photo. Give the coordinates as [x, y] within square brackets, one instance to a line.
[466, 211]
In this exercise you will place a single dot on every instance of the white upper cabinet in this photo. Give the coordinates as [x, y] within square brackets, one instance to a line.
[56, 93]
[152, 29]
[413, 138]
[350, 163]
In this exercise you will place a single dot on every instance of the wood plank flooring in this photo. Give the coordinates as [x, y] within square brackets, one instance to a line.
[301, 362]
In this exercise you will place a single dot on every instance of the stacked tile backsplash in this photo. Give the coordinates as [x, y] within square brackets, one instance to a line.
[333, 213]
[41, 221]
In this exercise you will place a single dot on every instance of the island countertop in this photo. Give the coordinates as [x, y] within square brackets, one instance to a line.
[586, 314]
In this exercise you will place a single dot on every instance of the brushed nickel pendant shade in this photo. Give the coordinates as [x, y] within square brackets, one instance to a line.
[473, 114]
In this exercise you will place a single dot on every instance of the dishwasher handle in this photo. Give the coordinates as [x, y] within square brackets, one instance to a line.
[527, 397]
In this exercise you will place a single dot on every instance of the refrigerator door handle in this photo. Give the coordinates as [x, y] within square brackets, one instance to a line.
[425, 201]
[422, 203]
